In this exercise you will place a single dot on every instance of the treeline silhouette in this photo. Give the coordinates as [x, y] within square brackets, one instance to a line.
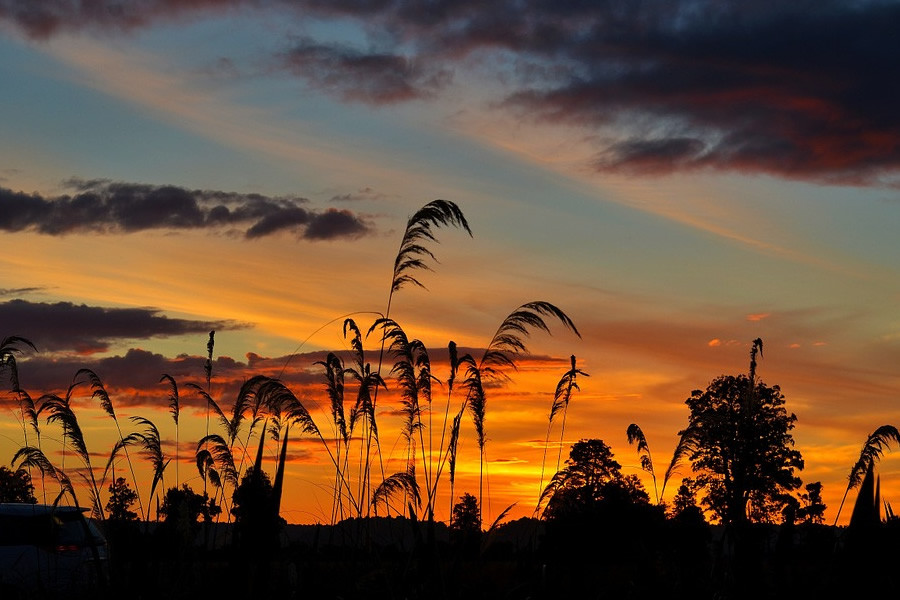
[594, 533]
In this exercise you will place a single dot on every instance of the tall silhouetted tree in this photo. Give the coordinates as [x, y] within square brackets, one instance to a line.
[465, 524]
[465, 514]
[742, 450]
[121, 499]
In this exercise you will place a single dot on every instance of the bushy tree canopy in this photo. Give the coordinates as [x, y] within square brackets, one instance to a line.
[257, 520]
[742, 450]
[591, 476]
[16, 486]
[813, 509]
[183, 507]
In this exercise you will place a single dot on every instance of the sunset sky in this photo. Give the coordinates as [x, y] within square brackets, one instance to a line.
[679, 177]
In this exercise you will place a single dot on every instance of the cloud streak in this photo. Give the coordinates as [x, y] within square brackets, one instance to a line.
[64, 326]
[107, 207]
[18, 291]
[134, 377]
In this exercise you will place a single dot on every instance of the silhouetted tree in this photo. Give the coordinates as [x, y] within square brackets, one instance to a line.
[601, 521]
[16, 486]
[742, 448]
[123, 531]
[688, 544]
[465, 524]
[813, 509]
[181, 509]
[591, 475]
[121, 498]
[465, 514]
[684, 504]
[256, 520]
[177, 537]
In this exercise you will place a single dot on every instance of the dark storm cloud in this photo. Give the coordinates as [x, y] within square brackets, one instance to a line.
[797, 90]
[371, 78]
[103, 206]
[64, 326]
[803, 89]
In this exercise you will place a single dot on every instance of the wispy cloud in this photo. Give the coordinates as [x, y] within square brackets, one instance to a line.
[148, 81]
[102, 206]
[18, 291]
[366, 77]
[366, 193]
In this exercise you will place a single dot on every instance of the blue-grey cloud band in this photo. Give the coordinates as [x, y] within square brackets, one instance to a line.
[801, 90]
[102, 206]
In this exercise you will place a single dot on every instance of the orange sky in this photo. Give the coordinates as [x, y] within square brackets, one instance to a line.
[172, 168]
[609, 400]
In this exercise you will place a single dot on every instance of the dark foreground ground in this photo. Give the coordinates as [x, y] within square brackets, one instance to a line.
[400, 559]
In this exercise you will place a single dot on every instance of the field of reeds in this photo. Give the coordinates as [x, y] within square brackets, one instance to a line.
[266, 411]
[224, 534]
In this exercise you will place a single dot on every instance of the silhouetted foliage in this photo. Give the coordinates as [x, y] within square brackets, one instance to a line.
[742, 448]
[465, 524]
[876, 443]
[635, 434]
[600, 536]
[813, 508]
[688, 544]
[465, 514]
[9, 348]
[684, 504]
[122, 527]
[256, 520]
[182, 509]
[16, 486]
[591, 475]
[121, 498]
[866, 514]
[413, 253]
[601, 520]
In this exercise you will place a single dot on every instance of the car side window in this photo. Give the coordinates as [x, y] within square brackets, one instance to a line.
[22, 530]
